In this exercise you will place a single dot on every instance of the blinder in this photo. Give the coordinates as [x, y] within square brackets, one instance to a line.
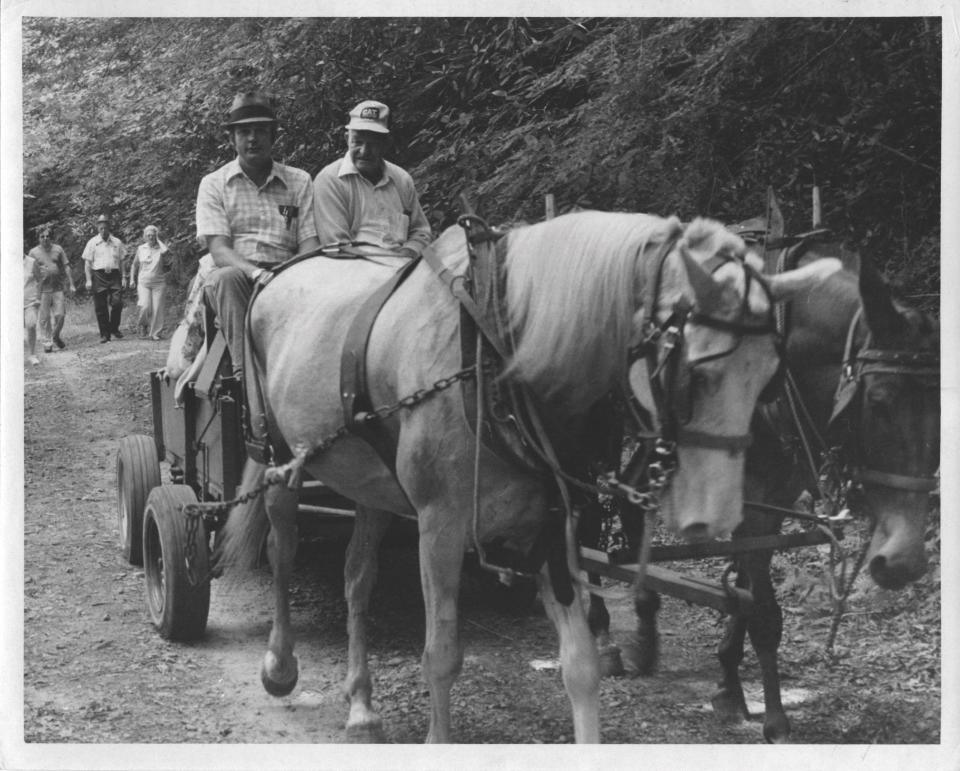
[671, 377]
[919, 365]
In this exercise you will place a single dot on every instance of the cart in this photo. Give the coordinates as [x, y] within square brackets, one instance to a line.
[201, 438]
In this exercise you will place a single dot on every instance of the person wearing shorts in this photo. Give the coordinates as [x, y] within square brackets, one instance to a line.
[54, 270]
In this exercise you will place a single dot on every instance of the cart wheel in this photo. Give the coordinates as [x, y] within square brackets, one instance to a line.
[177, 609]
[138, 472]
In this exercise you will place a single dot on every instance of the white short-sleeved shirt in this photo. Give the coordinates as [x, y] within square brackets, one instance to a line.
[266, 224]
[104, 254]
[348, 207]
[150, 265]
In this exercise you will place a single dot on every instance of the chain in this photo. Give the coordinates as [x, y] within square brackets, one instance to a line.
[195, 512]
[658, 477]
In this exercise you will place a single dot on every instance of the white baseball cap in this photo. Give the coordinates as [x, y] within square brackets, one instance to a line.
[370, 116]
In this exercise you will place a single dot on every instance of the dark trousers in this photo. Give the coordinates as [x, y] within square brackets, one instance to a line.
[107, 301]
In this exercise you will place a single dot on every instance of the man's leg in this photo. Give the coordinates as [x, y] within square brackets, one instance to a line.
[59, 314]
[116, 304]
[228, 292]
[102, 313]
[46, 336]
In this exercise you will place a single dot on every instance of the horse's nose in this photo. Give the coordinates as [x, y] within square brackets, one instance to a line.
[695, 532]
[896, 573]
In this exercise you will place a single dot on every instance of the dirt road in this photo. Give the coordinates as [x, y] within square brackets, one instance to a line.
[95, 671]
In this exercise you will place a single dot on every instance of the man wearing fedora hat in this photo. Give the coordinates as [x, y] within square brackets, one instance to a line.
[252, 213]
[103, 259]
[365, 198]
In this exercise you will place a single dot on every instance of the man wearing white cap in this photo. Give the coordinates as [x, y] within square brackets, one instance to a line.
[252, 213]
[364, 198]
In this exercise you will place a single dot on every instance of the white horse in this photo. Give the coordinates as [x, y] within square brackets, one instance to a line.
[575, 289]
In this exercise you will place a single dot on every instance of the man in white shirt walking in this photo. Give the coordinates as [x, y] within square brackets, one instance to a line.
[103, 259]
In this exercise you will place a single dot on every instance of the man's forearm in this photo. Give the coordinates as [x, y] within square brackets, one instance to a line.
[224, 256]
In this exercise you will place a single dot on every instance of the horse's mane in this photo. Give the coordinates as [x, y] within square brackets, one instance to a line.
[572, 291]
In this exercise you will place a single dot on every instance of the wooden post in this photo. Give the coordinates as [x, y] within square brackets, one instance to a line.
[817, 213]
[548, 203]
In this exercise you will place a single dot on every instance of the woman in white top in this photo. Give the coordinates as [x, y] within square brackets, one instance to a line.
[147, 272]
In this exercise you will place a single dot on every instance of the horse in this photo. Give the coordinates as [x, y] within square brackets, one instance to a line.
[576, 287]
[865, 371]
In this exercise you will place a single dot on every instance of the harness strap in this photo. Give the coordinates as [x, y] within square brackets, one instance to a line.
[354, 394]
[897, 481]
[455, 283]
[734, 444]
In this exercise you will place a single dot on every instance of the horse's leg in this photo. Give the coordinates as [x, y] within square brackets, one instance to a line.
[360, 574]
[598, 619]
[765, 627]
[646, 604]
[579, 662]
[642, 657]
[441, 562]
[279, 670]
[729, 703]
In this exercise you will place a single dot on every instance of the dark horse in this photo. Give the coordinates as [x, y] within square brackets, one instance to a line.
[865, 369]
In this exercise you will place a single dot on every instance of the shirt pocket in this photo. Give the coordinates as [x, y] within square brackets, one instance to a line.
[289, 215]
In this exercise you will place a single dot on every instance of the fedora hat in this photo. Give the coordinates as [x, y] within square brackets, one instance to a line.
[251, 107]
[370, 116]
[103, 218]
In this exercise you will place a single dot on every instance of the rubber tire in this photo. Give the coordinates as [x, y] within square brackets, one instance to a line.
[177, 609]
[138, 472]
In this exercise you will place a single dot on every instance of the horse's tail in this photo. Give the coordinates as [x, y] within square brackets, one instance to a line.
[240, 541]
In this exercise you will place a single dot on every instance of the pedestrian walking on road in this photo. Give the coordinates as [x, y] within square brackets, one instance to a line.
[31, 302]
[103, 259]
[149, 276]
[54, 268]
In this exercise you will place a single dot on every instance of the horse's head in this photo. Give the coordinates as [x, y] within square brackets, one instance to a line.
[718, 351]
[897, 429]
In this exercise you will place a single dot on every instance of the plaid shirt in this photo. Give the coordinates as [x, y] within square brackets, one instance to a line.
[266, 224]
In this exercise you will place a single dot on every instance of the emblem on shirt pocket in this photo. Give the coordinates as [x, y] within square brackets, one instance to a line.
[289, 213]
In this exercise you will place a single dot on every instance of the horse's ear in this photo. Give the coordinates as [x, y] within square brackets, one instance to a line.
[707, 292]
[879, 313]
[775, 224]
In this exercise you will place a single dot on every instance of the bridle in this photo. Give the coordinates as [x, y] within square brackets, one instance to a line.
[662, 348]
[869, 361]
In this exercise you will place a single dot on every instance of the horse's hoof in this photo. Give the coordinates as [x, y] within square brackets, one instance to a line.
[730, 708]
[641, 657]
[366, 733]
[279, 680]
[776, 729]
[611, 664]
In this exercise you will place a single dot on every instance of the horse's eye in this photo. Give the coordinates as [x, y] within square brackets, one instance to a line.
[701, 380]
[880, 401]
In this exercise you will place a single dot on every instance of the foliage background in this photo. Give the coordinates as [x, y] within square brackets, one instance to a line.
[692, 116]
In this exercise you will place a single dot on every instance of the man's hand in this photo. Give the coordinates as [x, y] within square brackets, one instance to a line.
[89, 285]
[406, 252]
